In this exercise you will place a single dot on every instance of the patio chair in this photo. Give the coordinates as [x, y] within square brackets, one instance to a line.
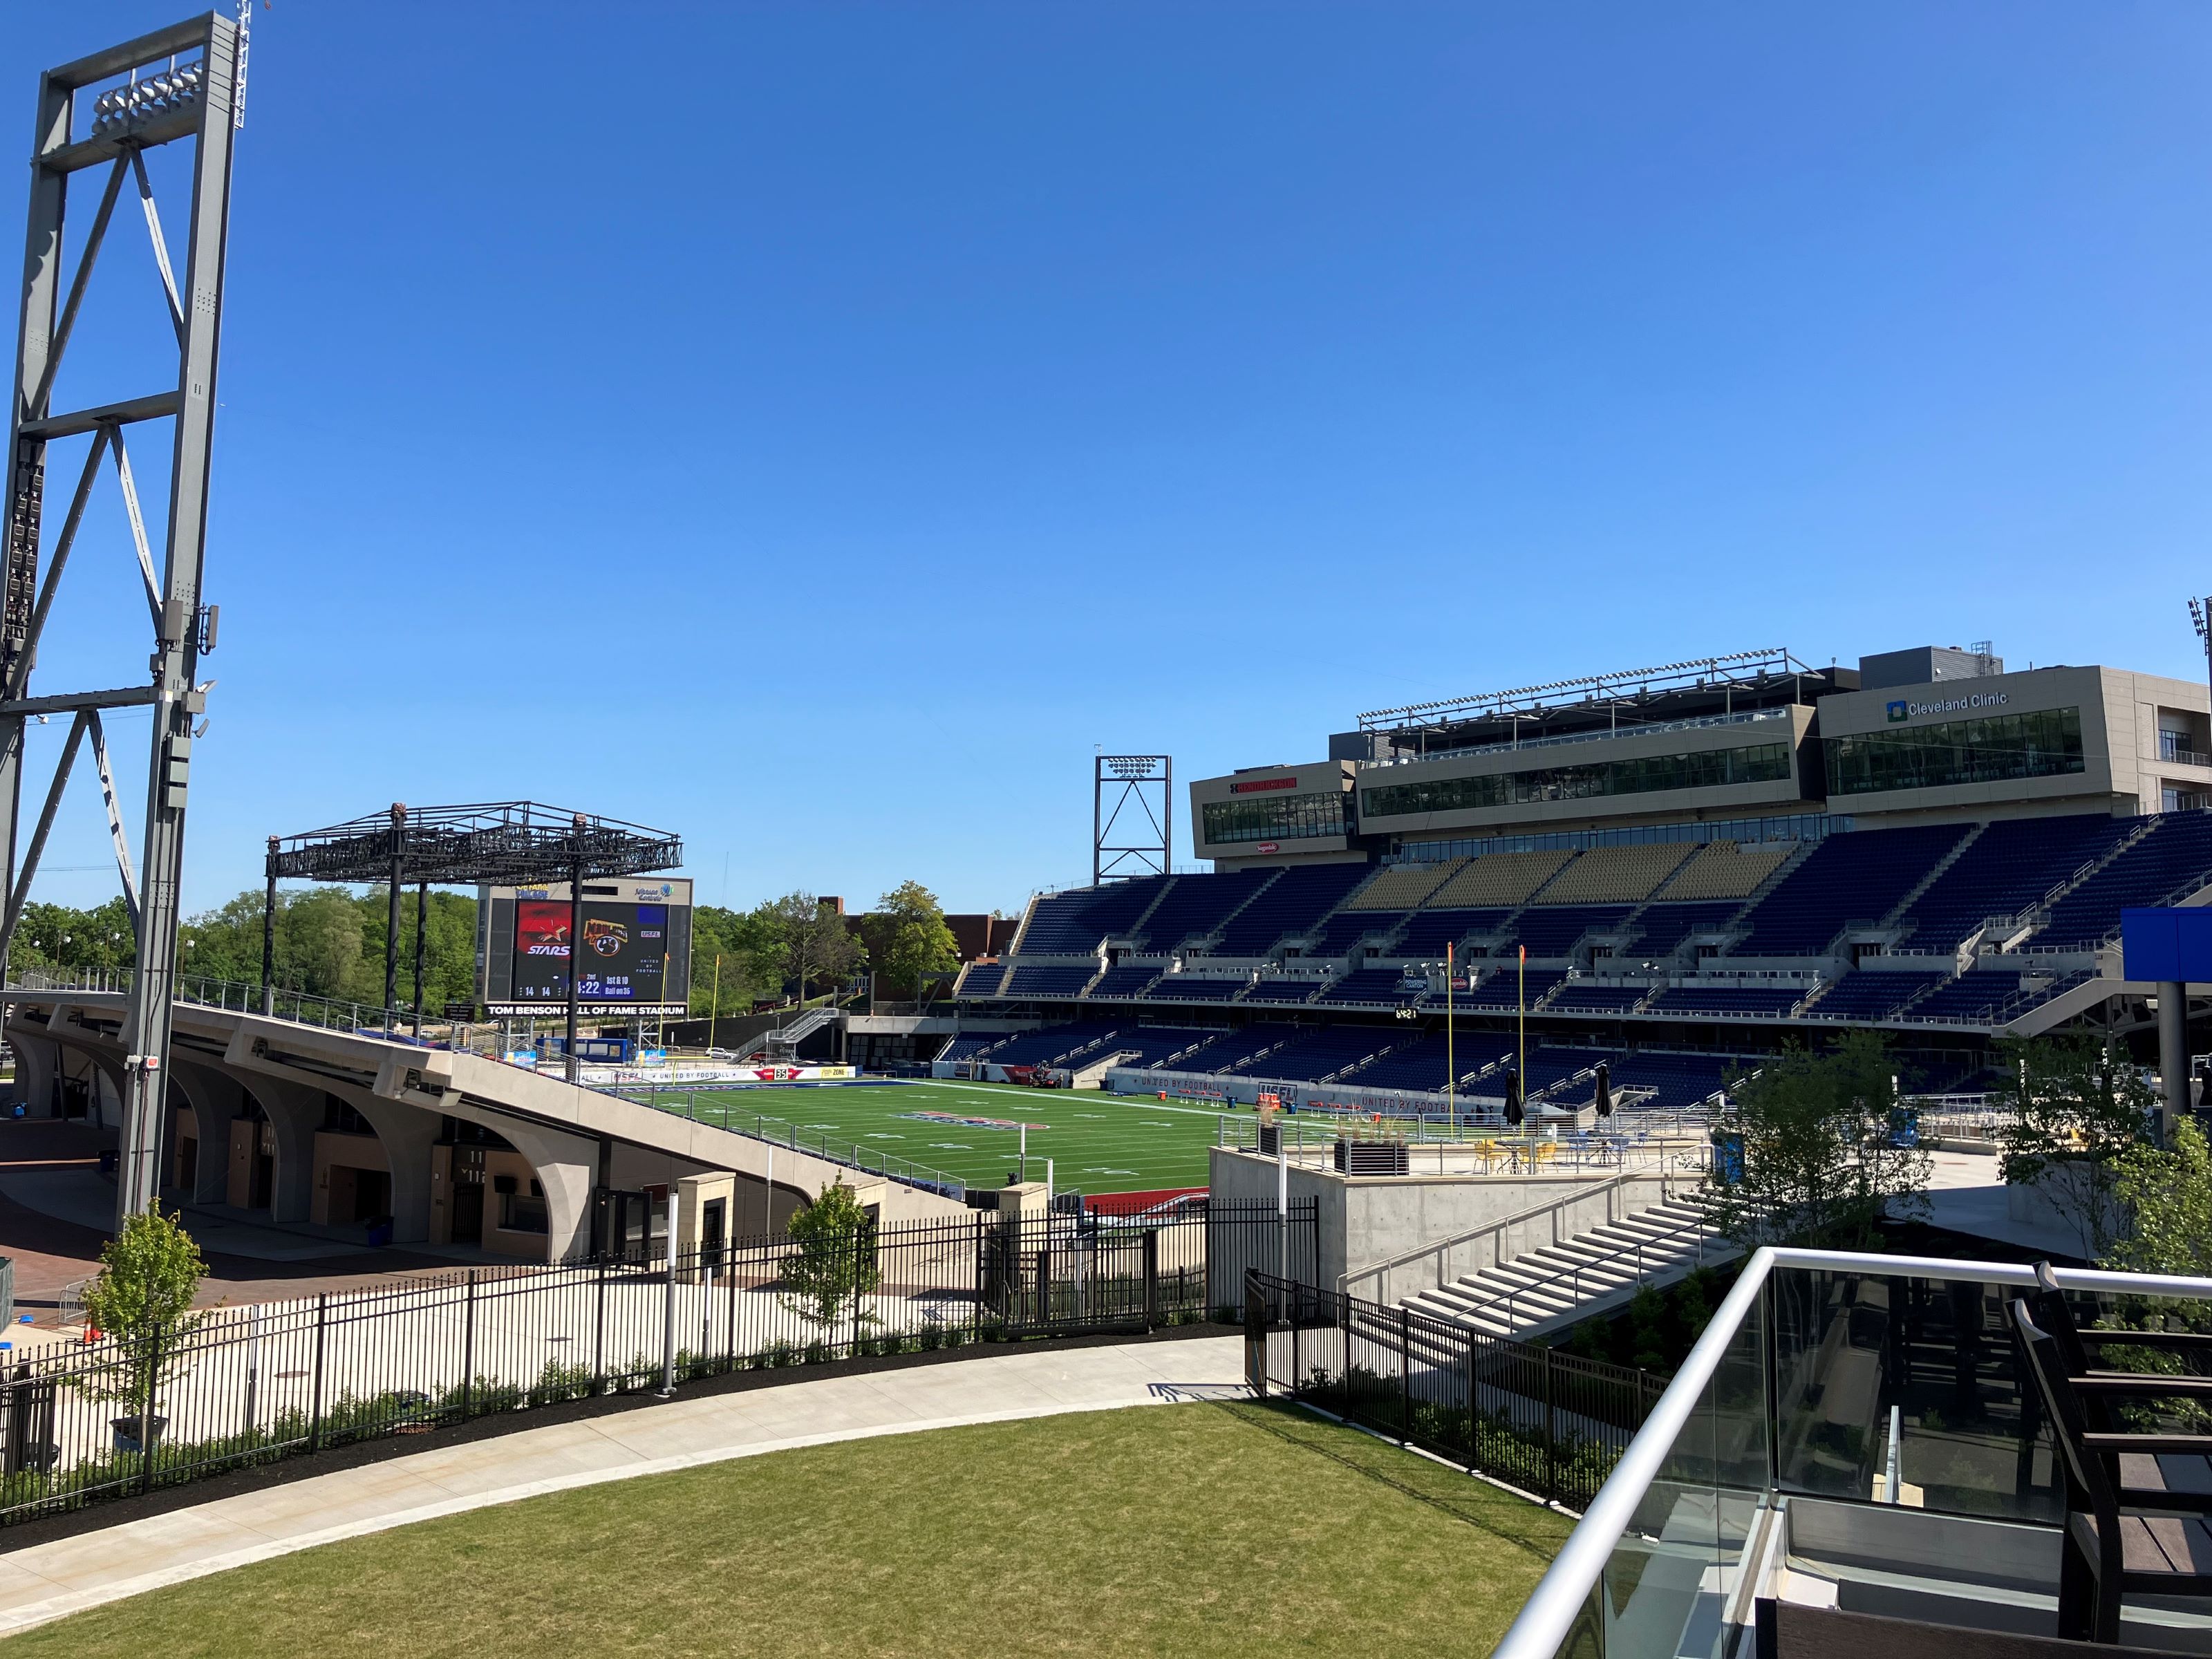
[2103, 1554]
[2169, 1480]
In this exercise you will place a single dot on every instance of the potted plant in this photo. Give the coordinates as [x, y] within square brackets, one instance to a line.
[141, 1305]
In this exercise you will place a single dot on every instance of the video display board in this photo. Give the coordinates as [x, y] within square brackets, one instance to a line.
[635, 955]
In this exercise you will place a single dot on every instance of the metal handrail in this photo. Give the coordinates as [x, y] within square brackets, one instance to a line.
[1702, 1228]
[1550, 1613]
[1599, 1189]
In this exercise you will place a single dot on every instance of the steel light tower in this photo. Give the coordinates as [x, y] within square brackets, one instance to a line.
[1146, 783]
[98, 118]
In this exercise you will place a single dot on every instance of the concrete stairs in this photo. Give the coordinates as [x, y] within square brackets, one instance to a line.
[1589, 1273]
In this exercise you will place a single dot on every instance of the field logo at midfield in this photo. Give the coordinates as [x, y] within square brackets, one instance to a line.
[961, 1121]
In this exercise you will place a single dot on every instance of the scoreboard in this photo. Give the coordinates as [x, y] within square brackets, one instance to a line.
[633, 957]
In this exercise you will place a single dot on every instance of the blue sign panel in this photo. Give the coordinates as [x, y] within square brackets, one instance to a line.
[2166, 944]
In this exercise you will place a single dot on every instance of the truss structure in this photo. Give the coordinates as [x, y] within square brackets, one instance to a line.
[512, 843]
[97, 119]
[1145, 784]
[1624, 686]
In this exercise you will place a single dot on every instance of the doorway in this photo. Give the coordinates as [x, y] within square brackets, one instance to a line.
[712, 1221]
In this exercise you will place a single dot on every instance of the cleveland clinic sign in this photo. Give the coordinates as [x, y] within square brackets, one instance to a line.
[1904, 710]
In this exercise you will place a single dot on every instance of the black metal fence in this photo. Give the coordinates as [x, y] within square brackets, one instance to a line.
[1548, 1422]
[241, 1386]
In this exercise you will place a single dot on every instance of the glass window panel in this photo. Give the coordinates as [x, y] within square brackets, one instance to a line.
[2000, 749]
[1709, 769]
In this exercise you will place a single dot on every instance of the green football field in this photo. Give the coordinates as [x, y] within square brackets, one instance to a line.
[1098, 1142]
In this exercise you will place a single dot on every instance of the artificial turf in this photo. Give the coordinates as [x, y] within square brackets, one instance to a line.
[1208, 1529]
[1098, 1143]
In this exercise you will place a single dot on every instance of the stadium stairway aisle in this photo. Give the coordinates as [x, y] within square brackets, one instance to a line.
[1585, 1274]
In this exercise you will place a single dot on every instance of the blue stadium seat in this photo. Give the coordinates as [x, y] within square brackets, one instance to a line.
[1852, 878]
[2173, 860]
[1155, 1045]
[1869, 994]
[1661, 929]
[1587, 996]
[1551, 930]
[1347, 927]
[1972, 997]
[982, 979]
[1323, 1051]
[1234, 1050]
[2012, 864]
[1193, 987]
[1197, 904]
[1050, 1045]
[1126, 979]
[1073, 923]
[1500, 989]
[1368, 987]
[1740, 1000]
[1294, 902]
[1048, 981]
[1681, 1080]
[1430, 931]
[1284, 991]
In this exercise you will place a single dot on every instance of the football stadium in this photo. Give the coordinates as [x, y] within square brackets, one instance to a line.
[1451, 1202]
[1671, 872]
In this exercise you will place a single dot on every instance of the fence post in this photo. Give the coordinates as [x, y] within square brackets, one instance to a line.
[1044, 1285]
[668, 1329]
[315, 1414]
[976, 1269]
[469, 1352]
[1473, 1434]
[599, 1334]
[1405, 1374]
[1152, 1259]
[732, 1293]
[1256, 1335]
[1551, 1435]
[146, 1429]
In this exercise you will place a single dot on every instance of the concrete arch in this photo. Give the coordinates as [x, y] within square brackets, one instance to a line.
[102, 1070]
[406, 1135]
[37, 1064]
[295, 1113]
[208, 1094]
[566, 1166]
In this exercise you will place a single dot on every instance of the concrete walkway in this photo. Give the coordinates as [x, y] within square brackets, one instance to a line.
[48, 1581]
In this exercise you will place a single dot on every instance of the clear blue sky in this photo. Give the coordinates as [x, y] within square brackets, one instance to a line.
[813, 429]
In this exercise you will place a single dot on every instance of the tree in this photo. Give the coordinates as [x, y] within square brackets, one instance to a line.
[816, 942]
[2168, 1197]
[322, 935]
[911, 940]
[149, 1274]
[835, 1263]
[751, 945]
[2077, 1109]
[1823, 1158]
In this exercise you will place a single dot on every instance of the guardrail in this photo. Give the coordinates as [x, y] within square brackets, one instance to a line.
[1732, 1439]
[1556, 1219]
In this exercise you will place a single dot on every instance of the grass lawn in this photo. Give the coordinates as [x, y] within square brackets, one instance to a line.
[1098, 1143]
[1194, 1529]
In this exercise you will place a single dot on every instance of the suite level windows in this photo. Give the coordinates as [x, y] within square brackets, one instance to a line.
[1281, 817]
[1706, 769]
[2001, 748]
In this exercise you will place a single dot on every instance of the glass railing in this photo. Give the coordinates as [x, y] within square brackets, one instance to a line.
[1853, 1430]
